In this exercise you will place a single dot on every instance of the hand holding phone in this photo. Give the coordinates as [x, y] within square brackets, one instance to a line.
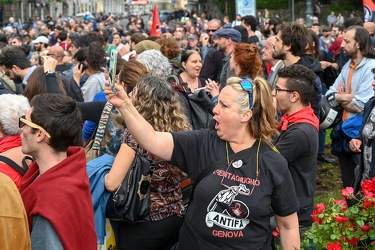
[83, 66]
[112, 69]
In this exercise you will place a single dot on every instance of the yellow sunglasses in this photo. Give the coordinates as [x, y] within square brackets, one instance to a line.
[22, 122]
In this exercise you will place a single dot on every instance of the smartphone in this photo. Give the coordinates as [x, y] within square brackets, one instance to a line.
[112, 68]
[84, 66]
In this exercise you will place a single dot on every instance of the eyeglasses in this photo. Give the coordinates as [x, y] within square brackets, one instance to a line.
[48, 54]
[208, 30]
[22, 122]
[248, 87]
[277, 89]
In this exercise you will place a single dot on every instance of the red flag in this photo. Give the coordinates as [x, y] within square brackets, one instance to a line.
[155, 29]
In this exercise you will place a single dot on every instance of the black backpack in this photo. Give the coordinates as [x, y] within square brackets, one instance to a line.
[199, 106]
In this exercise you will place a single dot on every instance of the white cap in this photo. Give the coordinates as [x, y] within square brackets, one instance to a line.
[41, 39]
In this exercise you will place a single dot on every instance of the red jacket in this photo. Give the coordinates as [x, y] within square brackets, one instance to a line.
[62, 196]
[6, 143]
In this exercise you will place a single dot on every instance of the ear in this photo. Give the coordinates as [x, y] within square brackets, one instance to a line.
[40, 136]
[294, 97]
[246, 116]
[287, 47]
[183, 64]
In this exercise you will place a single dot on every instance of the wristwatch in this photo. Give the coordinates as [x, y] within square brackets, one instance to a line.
[49, 72]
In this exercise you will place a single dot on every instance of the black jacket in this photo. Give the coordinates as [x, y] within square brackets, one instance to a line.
[316, 97]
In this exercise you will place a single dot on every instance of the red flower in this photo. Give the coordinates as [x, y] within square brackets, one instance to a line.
[366, 228]
[315, 218]
[367, 204]
[353, 241]
[368, 185]
[340, 219]
[319, 208]
[347, 193]
[333, 246]
[276, 233]
[368, 194]
[343, 204]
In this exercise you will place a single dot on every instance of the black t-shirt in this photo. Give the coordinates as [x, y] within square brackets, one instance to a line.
[253, 39]
[299, 145]
[231, 208]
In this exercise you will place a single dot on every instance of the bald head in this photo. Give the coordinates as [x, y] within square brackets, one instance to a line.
[267, 51]
[56, 52]
[213, 25]
[370, 27]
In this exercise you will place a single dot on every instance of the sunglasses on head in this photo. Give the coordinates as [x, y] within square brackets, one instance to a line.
[22, 122]
[247, 86]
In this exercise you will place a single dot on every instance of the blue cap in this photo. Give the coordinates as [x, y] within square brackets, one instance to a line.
[233, 34]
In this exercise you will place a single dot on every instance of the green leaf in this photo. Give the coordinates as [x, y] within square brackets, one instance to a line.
[360, 222]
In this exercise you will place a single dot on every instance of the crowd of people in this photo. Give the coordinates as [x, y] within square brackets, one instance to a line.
[254, 171]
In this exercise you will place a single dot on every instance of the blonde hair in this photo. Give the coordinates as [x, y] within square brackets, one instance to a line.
[263, 121]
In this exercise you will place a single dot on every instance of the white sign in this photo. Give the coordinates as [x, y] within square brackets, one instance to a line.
[246, 7]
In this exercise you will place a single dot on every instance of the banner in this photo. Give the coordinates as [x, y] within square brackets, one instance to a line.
[369, 10]
[246, 7]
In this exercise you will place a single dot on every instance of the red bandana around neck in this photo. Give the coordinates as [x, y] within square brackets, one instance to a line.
[304, 115]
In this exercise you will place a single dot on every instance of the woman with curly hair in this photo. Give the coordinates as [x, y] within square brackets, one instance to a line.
[158, 104]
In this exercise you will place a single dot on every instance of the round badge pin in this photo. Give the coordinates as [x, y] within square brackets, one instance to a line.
[237, 164]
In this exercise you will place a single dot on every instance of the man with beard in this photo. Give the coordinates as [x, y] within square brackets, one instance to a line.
[41, 45]
[289, 46]
[353, 88]
[326, 39]
[270, 27]
[15, 65]
[228, 38]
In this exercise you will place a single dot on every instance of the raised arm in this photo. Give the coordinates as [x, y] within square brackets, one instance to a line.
[160, 144]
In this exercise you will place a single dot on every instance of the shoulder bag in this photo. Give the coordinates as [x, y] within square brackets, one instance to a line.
[131, 201]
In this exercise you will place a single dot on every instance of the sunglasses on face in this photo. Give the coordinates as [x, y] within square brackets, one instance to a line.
[208, 30]
[22, 122]
[248, 87]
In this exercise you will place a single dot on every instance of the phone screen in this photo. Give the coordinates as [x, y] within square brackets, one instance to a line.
[112, 68]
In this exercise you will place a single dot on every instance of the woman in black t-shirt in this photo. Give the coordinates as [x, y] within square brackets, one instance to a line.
[246, 182]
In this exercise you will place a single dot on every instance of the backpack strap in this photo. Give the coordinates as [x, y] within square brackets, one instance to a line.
[14, 165]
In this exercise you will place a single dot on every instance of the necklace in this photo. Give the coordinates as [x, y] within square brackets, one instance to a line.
[241, 189]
